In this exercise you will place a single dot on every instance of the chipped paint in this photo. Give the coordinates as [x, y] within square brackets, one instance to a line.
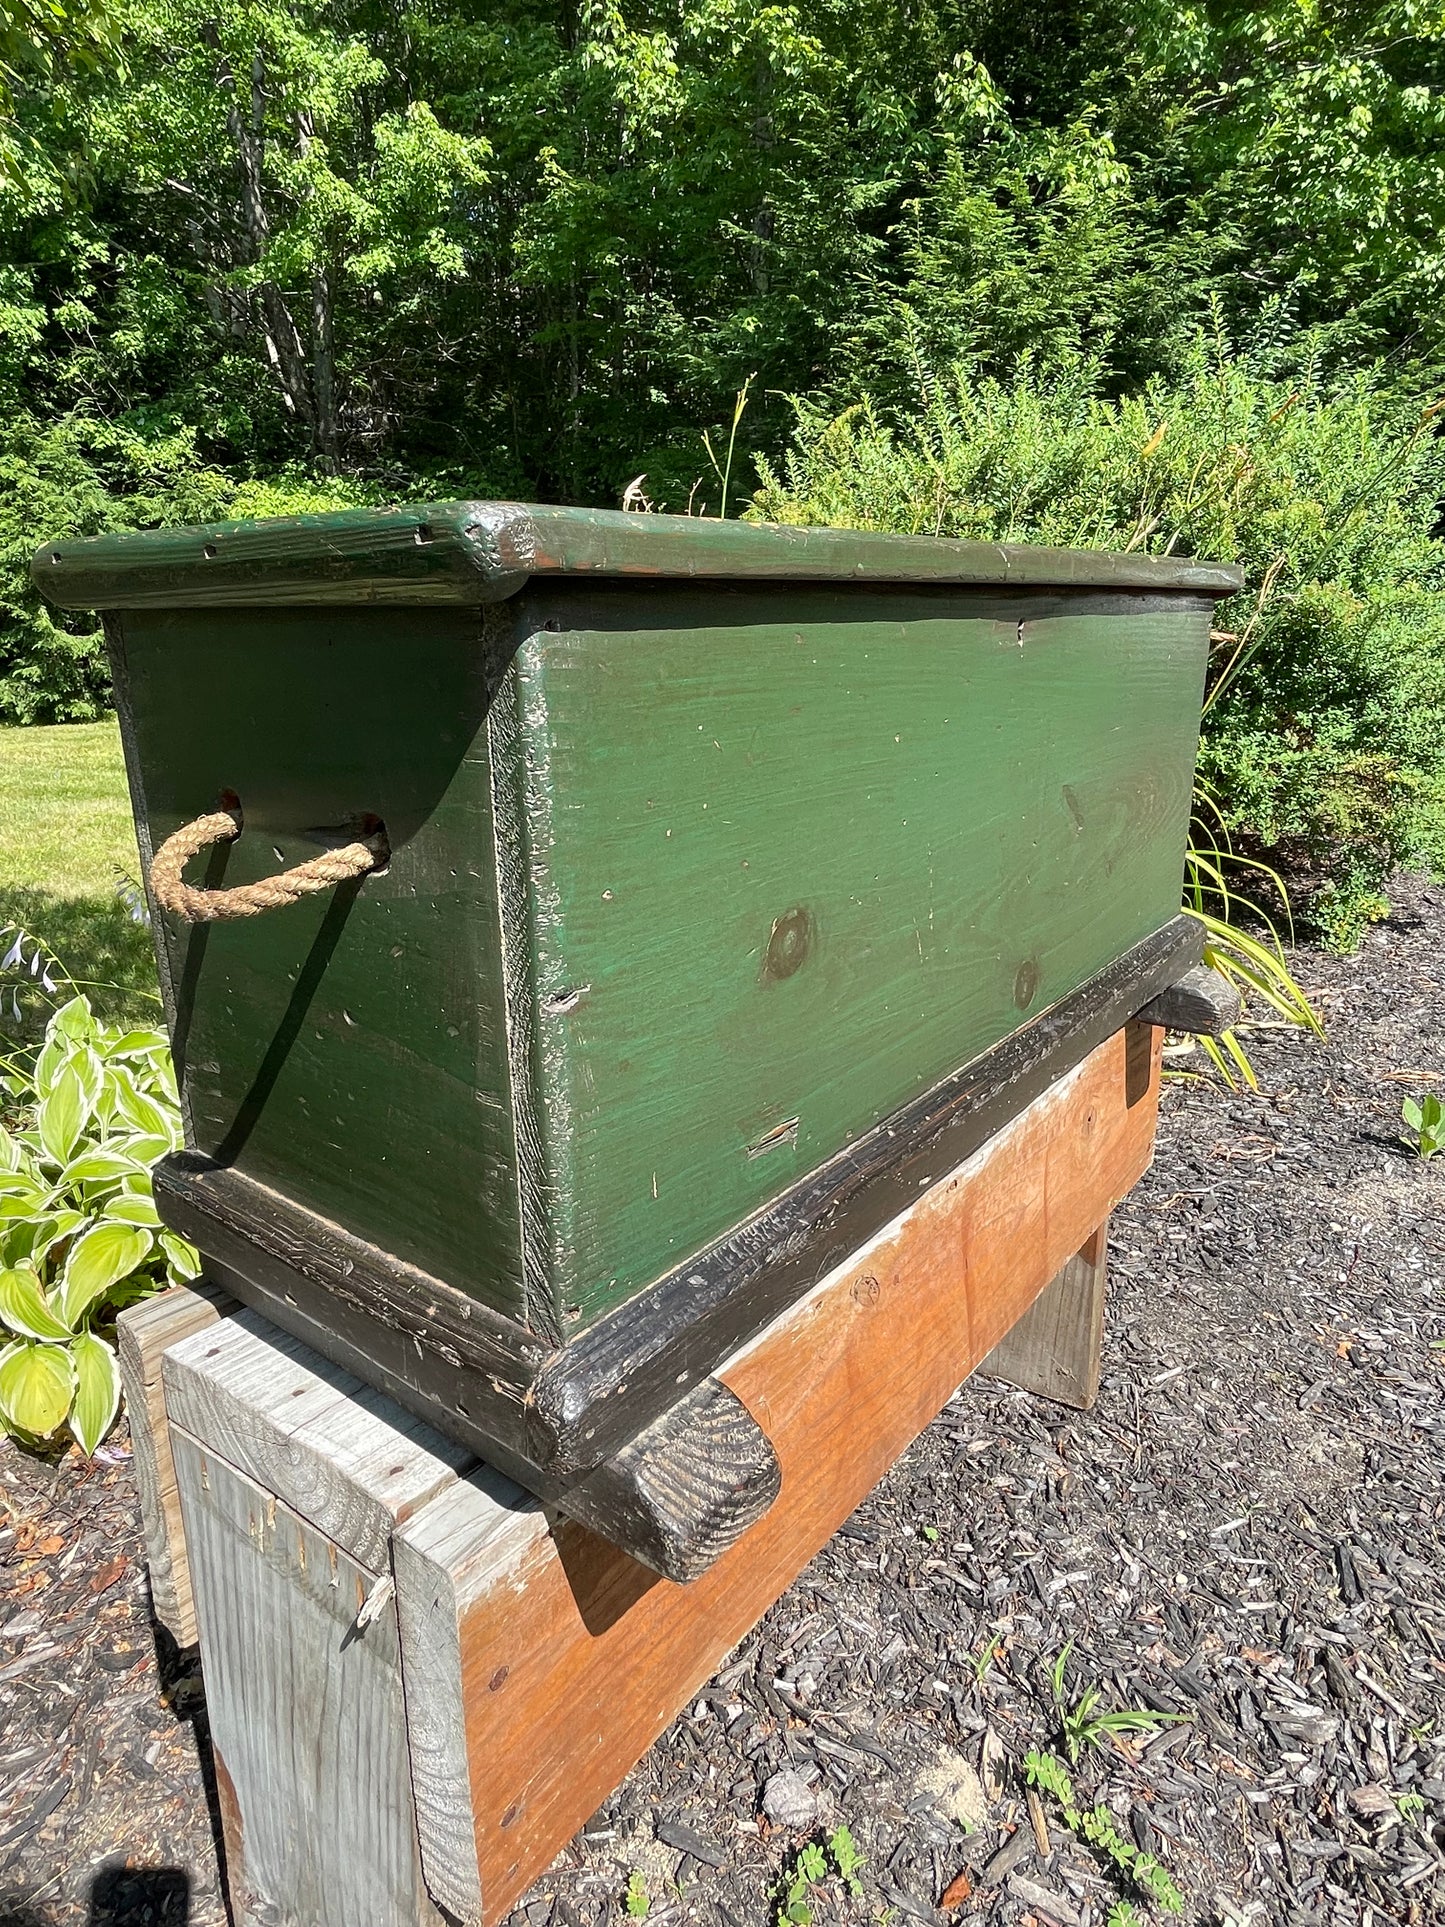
[784, 1133]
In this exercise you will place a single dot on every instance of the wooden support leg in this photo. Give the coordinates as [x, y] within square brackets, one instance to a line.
[421, 1681]
[142, 1336]
[293, 1477]
[308, 1729]
[1054, 1348]
[567, 1650]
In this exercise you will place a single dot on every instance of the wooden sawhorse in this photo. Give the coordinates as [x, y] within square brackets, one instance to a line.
[419, 1683]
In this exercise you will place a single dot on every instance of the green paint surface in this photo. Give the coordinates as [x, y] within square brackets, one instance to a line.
[390, 1109]
[796, 856]
[707, 882]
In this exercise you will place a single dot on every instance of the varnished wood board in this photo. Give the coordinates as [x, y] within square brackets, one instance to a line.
[571, 1657]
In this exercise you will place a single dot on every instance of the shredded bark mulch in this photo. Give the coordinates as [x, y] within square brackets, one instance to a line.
[1246, 1537]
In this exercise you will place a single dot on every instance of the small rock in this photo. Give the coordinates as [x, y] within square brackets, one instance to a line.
[789, 1802]
[1374, 1800]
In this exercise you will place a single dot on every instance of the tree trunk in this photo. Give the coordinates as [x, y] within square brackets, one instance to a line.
[323, 359]
[284, 350]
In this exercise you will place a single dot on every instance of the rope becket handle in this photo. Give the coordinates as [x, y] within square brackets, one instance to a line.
[311, 878]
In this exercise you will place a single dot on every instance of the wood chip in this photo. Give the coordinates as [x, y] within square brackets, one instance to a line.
[1044, 1901]
[956, 1892]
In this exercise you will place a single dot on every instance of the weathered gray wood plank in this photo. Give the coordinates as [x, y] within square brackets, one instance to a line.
[342, 1455]
[1054, 1349]
[142, 1334]
[306, 1712]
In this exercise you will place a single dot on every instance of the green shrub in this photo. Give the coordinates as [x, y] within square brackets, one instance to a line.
[87, 1115]
[1324, 737]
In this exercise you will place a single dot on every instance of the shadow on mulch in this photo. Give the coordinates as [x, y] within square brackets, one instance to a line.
[122, 1896]
[106, 1789]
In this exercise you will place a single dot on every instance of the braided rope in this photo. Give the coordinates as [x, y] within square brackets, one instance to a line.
[308, 879]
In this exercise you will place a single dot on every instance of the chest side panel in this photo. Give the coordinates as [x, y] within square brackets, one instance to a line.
[348, 1050]
[796, 856]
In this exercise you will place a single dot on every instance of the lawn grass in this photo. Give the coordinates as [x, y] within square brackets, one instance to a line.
[66, 837]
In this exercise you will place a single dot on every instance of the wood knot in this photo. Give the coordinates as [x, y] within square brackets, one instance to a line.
[789, 945]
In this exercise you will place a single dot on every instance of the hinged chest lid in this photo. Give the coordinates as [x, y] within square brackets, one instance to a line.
[482, 551]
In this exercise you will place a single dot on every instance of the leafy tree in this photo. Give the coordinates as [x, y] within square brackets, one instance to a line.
[254, 251]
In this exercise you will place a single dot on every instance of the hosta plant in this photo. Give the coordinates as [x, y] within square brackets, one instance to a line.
[84, 1120]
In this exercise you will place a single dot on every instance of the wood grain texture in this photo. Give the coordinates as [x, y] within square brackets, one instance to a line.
[713, 848]
[468, 552]
[546, 1623]
[1201, 1001]
[343, 1457]
[431, 1346]
[686, 1488]
[703, 1310]
[306, 1713]
[142, 1333]
[795, 855]
[350, 1050]
[1055, 1349]
[449, 1555]
[547, 1418]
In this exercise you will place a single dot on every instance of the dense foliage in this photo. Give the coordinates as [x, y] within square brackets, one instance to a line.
[255, 253]
[540, 246]
[1324, 731]
[82, 1121]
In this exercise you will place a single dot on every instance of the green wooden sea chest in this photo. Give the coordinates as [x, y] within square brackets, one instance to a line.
[731, 881]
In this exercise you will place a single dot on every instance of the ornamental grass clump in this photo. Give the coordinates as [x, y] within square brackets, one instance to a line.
[82, 1121]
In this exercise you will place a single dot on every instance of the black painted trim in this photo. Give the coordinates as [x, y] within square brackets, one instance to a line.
[548, 1416]
[681, 1328]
